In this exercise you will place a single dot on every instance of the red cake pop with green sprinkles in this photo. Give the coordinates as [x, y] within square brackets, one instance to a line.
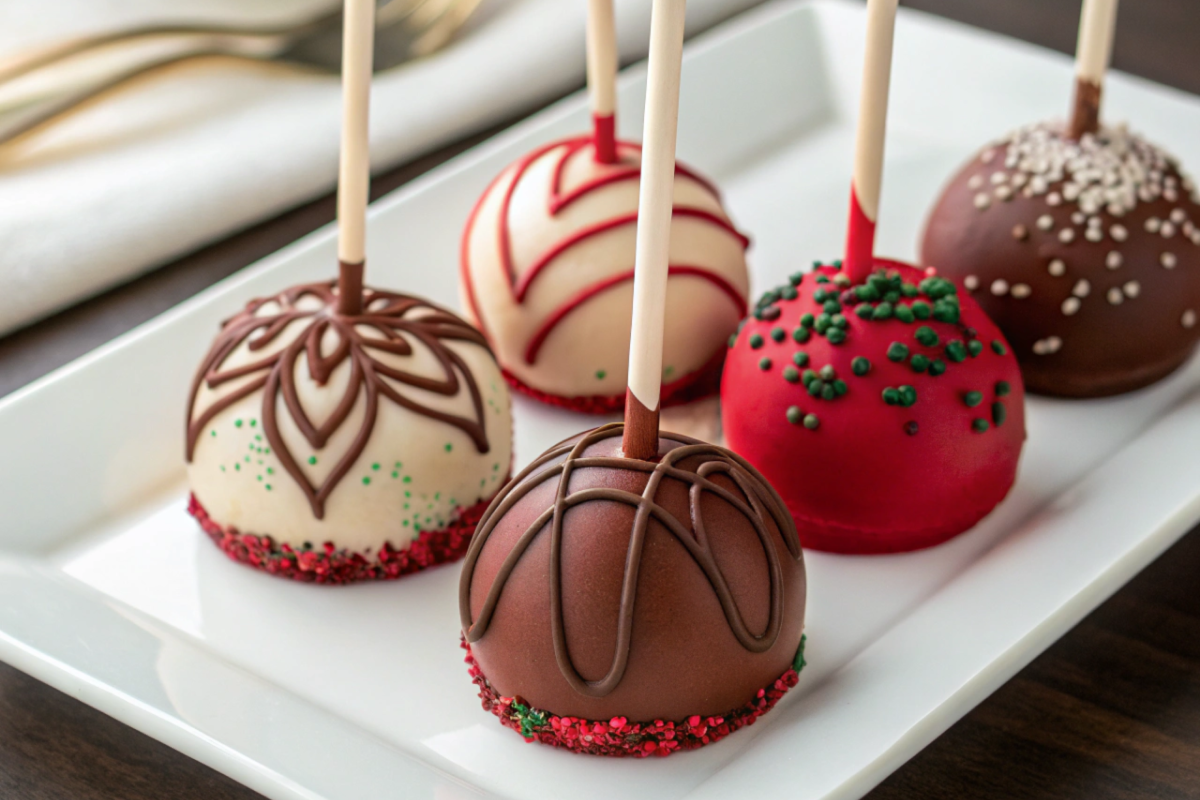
[880, 402]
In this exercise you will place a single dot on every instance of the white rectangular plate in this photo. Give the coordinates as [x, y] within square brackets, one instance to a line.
[109, 592]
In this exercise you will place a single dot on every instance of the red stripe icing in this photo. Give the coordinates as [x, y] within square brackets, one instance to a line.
[620, 169]
[605, 129]
[539, 338]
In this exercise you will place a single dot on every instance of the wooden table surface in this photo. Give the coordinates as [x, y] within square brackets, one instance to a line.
[1110, 711]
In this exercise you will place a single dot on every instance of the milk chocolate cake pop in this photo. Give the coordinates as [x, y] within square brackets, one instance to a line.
[1081, 242]
[880, 402]
[338, 433]
[547, 263]
[631, 592]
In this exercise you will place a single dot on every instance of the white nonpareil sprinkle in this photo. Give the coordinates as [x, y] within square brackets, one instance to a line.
[1115, 297]
[1066, 235]
[1045, 222]
[1168, 260]
[1178, 216]
[1078, 217]
[1167, 230]
[1119, 232]
[1057, 268]
[1047, 346]
[1021, 290]
[1153, 224]
[999, 178]
[1093, 234]
[1054, 199]
[971, 282]
[1004, 192]
[1189, 318]
[1082, 288]
[1114, 260]
[1070, 306]
[975, 182]
[1020, 232]
[999, 287]
[982, 201]
[1132, 289]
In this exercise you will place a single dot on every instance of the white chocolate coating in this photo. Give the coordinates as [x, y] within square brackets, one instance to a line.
[587, 352]
[413, 474]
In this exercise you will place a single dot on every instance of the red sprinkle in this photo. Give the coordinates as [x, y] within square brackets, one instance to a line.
[330, 565]
[620, 737]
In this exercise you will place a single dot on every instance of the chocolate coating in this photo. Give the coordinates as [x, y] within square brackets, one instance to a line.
[1086, 254]
[599, 586]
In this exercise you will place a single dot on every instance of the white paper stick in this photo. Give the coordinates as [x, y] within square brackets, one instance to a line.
[655, 201]
[354, 173]
[873, 104]
[1094, 51]
[602, 57]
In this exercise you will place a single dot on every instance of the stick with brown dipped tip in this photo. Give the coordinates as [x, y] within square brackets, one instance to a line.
[1096, 27]
[564, 642]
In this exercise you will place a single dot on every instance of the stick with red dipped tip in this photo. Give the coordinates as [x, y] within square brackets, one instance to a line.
[655, 203]
[354, 170]
[602, 77]
[868, 153]
[1092, 55]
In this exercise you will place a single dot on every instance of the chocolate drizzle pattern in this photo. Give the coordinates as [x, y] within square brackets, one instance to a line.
[756, 502]
[389, 323]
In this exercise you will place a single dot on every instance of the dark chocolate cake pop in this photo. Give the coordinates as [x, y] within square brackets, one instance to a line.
[618, 606]
[1085, 252]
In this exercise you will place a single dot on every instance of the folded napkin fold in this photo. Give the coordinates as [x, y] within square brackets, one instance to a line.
[192, 155]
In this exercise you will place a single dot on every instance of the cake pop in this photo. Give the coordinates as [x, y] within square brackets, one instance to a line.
[338, 433]
[1081, 242]
[881, 403]
[633, 592]
[547, 262]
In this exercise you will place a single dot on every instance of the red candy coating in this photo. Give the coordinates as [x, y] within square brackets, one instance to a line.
[861, 473]
[328, 565]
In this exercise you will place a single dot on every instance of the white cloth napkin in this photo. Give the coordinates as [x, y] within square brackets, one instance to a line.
[211, 147]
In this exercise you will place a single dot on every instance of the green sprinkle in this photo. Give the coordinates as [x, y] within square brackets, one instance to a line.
[408, 479]
[212, 433]
[449, 447]
[764, 363]
[999, 413]
[395, 474]
[801, 335]
[789, 293]
[366, 481]
[815, 387]
[919, 363]
[908, 396]
[927, 336]
[808, 377]
[791, 374]
[827, 372]
[937, 367]
[756, 341]
[836, 335]
[312, 459]
[732, 342]
[921, 309]
[979, 425]
[860, 366]
[798, 663]
[1002, 388]
[811, 422]
[259, 478]
[807, 320]
[908, 290]
[832, 307]
[822, 324]
[795, 278]
[375, 467]
[897, 352]
[267, 487]
[820, 295]
[778, 334]
[884, 311]
[602, 374]
[865, 311]
[839, 321]
[956, 351]
[891, 396]
[867, 293]
[904, 313]
[840, 387]
[999, 347]
[253, 423]
[795, 415]
[270, 470]
[973, 399]
[800, 358]
[237, 423]
[237, 467]
[828, 392]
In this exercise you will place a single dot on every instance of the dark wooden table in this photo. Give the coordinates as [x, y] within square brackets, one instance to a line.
[1110, 711]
